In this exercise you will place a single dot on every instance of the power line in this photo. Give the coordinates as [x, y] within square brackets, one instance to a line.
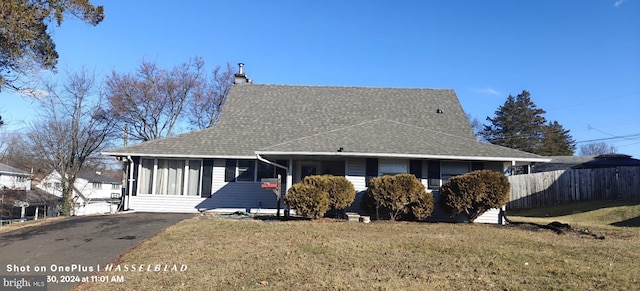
[610, 138]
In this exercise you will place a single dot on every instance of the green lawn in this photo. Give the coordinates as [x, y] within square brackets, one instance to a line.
[248, 254]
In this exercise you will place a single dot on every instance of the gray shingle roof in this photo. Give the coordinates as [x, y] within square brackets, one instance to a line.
[97, 178]
[323, 118]
[9, 169]
[390, 137]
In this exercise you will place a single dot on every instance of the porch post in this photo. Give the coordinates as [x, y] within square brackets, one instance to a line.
[289, 175]
[129, 186]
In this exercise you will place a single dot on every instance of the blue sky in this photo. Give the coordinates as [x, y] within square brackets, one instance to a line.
[579, 59]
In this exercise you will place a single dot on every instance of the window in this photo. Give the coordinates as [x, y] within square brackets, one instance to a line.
[240, 171]
[252, 170]
[280, 171]
[393, 167]
[169, 177]
[371, 170]
[145, 182]
[97, 185]
[415, 168]
[193, 185]
[230, 171]
[246, 169]
[452, 169]
[266, 171]
[434, 174]
[115, 187]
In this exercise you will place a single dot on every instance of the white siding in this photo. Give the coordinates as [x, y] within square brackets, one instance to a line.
[491, 216]
[166, 203]
[11, 181]
[356, 173]
[243, 195]
[218, 175]
[238, 194]
[96, 208]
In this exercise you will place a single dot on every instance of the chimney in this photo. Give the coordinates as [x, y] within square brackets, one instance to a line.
[240, 76]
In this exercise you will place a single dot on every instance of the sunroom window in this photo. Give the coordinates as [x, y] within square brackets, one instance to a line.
[170, 177]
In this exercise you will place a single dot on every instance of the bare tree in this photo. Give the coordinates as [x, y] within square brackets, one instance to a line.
[72, 129]
[596, 149]
[14, 153]
[477, 127]
[150, 102]
[206, 106]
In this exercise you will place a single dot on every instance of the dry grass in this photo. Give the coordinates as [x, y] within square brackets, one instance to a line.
[225, 254]
[19, 225]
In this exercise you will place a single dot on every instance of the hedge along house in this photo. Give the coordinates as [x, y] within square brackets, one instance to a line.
[295, 131]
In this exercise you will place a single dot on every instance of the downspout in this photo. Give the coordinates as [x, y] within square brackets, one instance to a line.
[287, 183]
[271, 163]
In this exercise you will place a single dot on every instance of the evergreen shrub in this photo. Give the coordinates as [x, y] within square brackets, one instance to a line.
[307, 200]
[399, 196]
[472, 194]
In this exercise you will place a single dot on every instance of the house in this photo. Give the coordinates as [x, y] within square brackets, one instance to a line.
[27, 204]
[609, 161]
[560, 163]
[93, 193]
[13, 178]
[19, 201]
[295, 131]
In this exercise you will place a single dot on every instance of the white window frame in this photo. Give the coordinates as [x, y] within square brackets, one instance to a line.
[185, 177]
[97, 185]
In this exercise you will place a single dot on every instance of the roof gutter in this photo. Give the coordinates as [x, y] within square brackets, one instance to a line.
[116, 154]
[409, 156]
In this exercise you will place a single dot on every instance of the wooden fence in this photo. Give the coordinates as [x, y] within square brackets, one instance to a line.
[564, 186]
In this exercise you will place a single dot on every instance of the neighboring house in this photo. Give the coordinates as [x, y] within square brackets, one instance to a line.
[38, 204]
[15, 190]
[560, 163]
[609, 161]
[93, 193]
[13, 178]
[295, 131]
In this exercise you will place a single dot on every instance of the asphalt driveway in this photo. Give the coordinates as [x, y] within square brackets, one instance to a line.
[74, 248]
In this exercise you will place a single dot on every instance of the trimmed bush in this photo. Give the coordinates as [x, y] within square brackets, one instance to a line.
[472, 194]
[400, 196]
[340, 191]
[307, 200]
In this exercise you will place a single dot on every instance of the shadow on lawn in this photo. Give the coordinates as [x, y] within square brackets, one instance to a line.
[569, 209]
[632, 222]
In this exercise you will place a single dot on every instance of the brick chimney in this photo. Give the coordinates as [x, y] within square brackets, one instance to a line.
[240, 77]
